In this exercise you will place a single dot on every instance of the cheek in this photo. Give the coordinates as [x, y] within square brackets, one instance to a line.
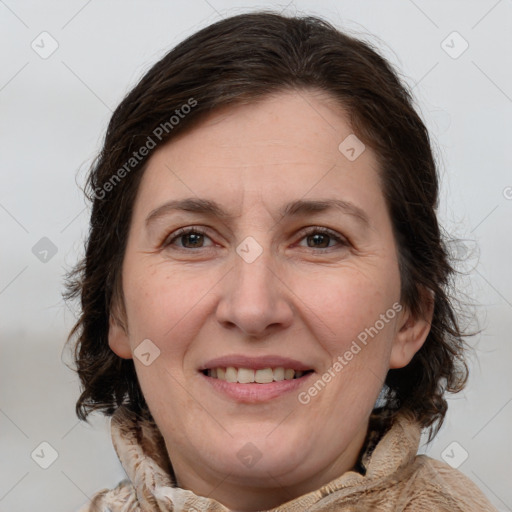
[356, 328]
[160, 303]
[346, 301]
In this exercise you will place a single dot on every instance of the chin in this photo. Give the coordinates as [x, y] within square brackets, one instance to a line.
[262, 454]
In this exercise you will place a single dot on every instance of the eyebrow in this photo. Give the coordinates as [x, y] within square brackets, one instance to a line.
[293, 209]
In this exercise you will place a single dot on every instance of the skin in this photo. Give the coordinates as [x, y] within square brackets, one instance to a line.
[197, 299]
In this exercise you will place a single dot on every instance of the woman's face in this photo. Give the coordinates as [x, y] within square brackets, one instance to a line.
[288, 264]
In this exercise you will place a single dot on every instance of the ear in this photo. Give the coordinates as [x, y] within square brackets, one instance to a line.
[118, 339]
[412, 333]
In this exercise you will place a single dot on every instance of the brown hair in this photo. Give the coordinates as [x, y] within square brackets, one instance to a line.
[239, 60]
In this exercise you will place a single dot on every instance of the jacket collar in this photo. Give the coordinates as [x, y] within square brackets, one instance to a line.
[142, 452]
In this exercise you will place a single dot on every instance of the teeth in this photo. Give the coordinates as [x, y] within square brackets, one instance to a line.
[263, 376]
[278, 374]
[247, 375]
[231, 374]
[288, 374]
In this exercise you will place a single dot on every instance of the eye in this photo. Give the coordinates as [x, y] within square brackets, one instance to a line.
[321, 238]
[194, 237]
[188, 238]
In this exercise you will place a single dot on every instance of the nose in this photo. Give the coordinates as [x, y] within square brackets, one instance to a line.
[254, 299]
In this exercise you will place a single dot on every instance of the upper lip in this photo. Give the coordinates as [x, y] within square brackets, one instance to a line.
[255, 363]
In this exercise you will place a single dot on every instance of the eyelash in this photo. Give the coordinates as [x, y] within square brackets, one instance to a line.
[304, 234]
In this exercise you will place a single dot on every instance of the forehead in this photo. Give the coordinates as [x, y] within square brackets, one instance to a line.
[277, 149]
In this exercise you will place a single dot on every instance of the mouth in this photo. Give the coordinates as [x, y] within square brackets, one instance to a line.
[249, 375]
[254, 380]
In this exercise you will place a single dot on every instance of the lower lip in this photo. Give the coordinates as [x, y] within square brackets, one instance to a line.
[254, 392]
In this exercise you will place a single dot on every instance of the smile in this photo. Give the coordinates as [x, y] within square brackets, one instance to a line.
[249, 375]
[253, 380]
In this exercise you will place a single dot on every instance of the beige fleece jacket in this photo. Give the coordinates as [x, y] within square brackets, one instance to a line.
[396, 479]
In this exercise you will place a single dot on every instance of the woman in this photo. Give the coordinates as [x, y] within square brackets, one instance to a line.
[265, 311]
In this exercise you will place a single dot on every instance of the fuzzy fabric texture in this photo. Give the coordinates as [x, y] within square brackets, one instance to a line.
[396, 478]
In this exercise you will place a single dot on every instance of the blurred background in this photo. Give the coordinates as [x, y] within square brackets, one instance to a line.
[64, 68]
